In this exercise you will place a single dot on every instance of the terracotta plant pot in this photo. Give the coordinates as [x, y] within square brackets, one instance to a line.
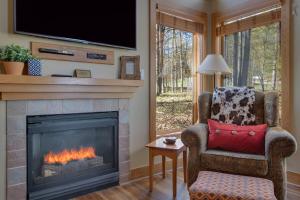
[13, 68]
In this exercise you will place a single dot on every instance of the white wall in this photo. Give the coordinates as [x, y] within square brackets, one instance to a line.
[293, 163]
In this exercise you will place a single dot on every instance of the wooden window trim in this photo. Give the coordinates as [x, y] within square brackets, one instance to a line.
[250, 23]
[185, 13]
[285, 19]
[179, 23]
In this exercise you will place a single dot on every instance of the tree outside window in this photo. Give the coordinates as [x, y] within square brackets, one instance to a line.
[254, 58]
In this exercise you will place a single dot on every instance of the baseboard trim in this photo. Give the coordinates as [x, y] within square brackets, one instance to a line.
[293, 177]
[142, 172]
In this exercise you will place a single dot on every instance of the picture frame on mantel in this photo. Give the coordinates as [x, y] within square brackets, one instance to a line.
[130, 68]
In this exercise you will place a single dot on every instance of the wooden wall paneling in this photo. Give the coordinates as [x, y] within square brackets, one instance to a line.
[152, 74]
[80, 54]
[214, 24]
[196, 87]
[179, 23]
[286, 72]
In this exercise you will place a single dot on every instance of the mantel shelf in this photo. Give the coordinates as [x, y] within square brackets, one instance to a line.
[34, 88]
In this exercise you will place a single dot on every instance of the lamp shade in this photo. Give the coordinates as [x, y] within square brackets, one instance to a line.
[212, 64]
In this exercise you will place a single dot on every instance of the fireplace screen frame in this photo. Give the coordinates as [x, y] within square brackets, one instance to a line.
[88, 181]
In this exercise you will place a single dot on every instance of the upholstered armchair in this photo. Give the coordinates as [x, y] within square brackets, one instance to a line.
[279, 144]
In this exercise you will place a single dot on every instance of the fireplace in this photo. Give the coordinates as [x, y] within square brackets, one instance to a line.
[71, 154]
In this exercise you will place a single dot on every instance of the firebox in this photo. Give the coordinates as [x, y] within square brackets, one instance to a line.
[71, 154]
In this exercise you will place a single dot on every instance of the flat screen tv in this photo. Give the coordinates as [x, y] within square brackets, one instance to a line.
[100, 22]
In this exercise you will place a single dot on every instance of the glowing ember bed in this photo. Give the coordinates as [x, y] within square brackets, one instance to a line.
[71, 154]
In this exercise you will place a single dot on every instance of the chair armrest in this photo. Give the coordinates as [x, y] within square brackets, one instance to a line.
[195, 137]
[279, 142]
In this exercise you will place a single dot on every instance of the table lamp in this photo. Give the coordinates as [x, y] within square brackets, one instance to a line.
[214, 64]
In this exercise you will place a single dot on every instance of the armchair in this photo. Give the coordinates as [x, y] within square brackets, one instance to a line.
[279, 144]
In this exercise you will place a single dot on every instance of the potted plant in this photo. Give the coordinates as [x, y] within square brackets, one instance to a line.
[13, 58]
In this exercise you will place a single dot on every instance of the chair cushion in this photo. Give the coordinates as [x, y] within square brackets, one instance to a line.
[234, 105]
[220, 186]
[231, 137]
[235, 163]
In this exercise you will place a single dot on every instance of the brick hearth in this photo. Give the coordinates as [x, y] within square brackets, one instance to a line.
[16, 134]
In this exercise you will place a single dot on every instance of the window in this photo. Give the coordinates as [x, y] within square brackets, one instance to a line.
[254, 58]
[178, 50]
[174, 72]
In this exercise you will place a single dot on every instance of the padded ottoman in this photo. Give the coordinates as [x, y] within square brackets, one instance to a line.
[219, 186]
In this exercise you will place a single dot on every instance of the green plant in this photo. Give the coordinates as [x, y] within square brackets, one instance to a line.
[15, 53]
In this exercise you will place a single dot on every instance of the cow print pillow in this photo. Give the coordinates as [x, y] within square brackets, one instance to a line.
[233, 105]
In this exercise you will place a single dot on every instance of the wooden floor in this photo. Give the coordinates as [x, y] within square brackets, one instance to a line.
[138, 190]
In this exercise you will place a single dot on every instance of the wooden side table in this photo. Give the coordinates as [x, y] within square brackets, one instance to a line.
[158, 147]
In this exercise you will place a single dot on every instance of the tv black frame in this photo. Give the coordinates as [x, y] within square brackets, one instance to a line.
[71, 39]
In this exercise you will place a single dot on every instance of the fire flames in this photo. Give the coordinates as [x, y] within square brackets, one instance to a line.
[66, 155]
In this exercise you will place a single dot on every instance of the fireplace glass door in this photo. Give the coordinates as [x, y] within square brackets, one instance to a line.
[70, 151]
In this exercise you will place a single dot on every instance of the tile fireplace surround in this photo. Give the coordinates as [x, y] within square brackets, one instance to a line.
[16, 134]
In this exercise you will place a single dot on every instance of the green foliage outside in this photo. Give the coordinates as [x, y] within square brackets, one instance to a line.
[252, 55]
[15, 53]
[257, 53]
[174, 79]
[263, 67]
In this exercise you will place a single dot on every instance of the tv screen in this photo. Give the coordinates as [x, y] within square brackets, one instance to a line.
[108, 23]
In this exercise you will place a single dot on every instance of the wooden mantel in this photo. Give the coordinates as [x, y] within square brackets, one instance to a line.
[34, 88]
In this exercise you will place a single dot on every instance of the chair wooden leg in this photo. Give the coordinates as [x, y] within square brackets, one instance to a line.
[163, 166]
[151, 163]
[185, 166]
[174, 176]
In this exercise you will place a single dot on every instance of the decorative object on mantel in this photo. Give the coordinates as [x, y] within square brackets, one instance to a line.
[70, 53]
[80, 73]
[13, 58]
[34, 67]
[130, 68]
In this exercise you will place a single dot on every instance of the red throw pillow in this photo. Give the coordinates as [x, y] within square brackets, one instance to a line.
[243, 139]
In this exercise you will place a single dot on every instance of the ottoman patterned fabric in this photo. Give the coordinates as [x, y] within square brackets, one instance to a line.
[220, 186]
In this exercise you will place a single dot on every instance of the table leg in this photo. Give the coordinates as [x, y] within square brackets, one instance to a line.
[163, 166]
[174, 176]
[185, 166]
[151, 163]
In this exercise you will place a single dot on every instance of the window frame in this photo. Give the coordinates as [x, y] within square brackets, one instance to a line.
[250, 7]
[184, 13]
